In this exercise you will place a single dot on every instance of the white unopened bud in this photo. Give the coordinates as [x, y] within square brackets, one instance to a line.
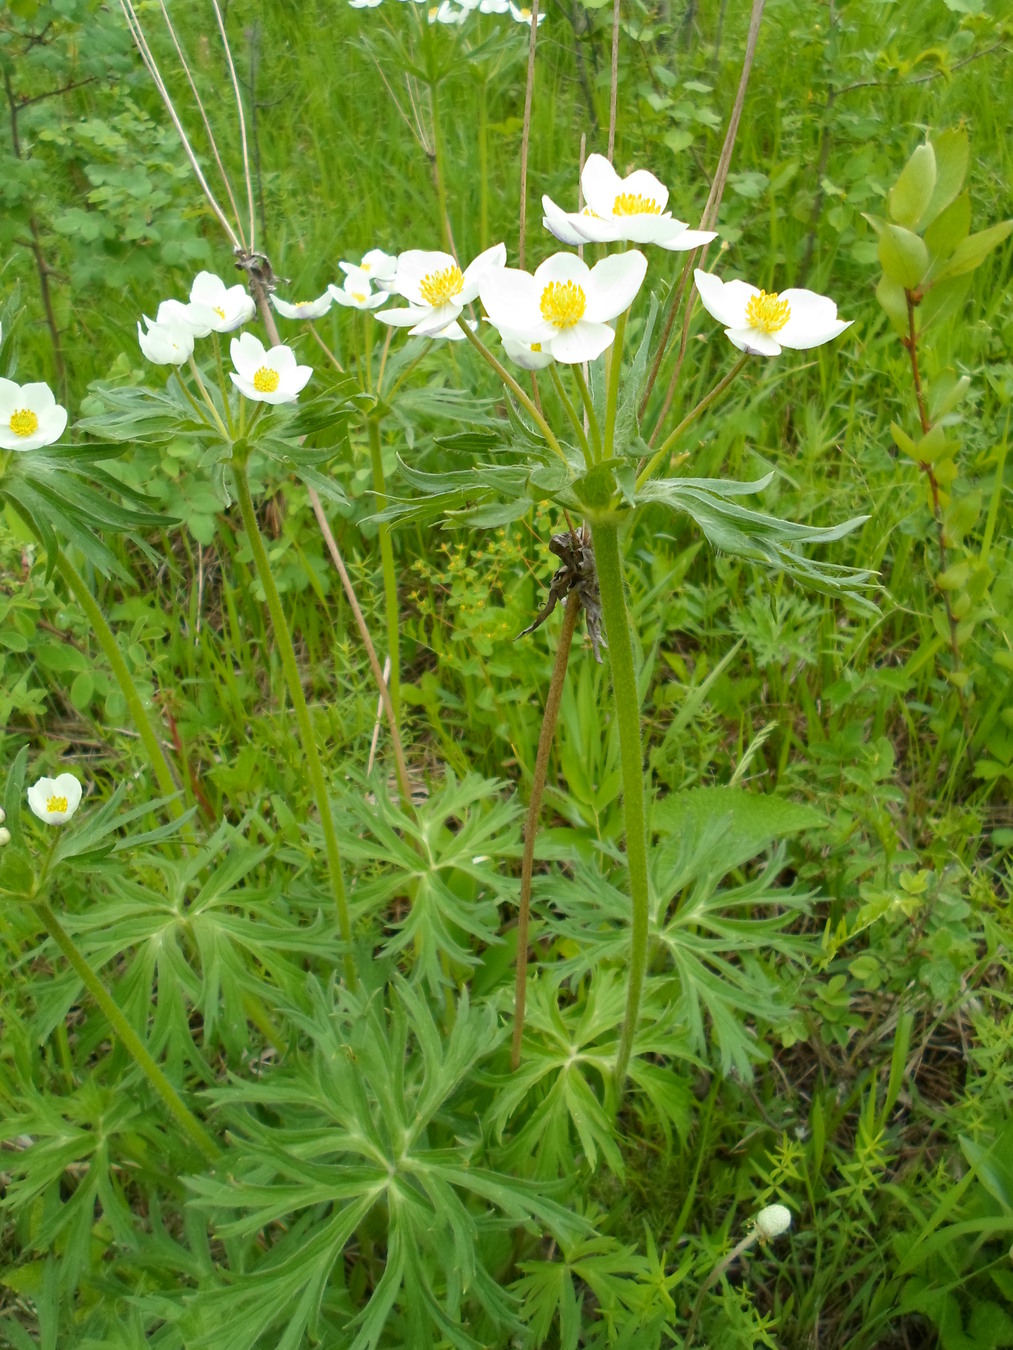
[5, 835]
[772, 1221]
[3, 815]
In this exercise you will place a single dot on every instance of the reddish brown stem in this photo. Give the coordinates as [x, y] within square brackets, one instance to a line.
[548, 731]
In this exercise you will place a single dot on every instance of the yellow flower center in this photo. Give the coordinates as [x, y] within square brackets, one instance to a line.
[536, 346]
[266, 380]
[439, 288]
[525, 15]
[635, 204]
[434, 10]
[766, 313]
[55, 804]
[24, 422]
[359, 297]
[563, 303]
[219, 311]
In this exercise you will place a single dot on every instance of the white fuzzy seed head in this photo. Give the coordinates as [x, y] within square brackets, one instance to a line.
[772, 1221]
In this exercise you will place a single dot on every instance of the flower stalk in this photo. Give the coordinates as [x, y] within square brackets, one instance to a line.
[545, 738]
[627, 707]
[128, 1037]
[121, 672]
[391, 606]
[307, 736]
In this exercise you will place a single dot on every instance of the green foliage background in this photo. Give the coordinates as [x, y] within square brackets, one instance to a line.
[827, 1019]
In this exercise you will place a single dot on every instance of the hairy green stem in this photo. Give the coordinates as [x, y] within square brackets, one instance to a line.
[627, 706]
[592, 419]
[615, 365]
[387, 563]
[571, 413]
[314, 768]
[121, 672]
[549, 719]
[128, 1037]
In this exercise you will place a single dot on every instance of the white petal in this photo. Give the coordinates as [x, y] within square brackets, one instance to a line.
[492, 258]
[510, 297]
[642, 183]
[725, 301]
[754, 342]
[594, 230]
[248, 354]
[403, 318]
[562, 267]
[803, 341]
[583, 342]
[561, 223]
[812, 320]
[601, 185]
[413, 267]
[436, 318]
[613, 285]
[683, 241]
[522, 353]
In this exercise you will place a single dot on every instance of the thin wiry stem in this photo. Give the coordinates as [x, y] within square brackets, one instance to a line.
[614, 86]
[526, 135]
[141, 42]
[242, 123]
[203, 114]
[707, 220]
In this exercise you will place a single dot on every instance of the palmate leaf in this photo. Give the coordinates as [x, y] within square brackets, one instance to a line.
[446, 865]
[767, 539]
[54, 491]
[373, 1122]
[717, 941]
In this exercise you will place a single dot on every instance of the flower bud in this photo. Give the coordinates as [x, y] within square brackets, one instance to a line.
[5, 835]
[772, 1221]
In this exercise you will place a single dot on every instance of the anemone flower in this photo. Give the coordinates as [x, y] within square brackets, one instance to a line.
[377, 265]
[762, 323]
[436, 289]
[630, 209]
[303, 309]
[357, 292]
[166, 344]
[266, 376]
[55, 800]
[231, 306]
[30, 416]
[521, 14]
[565, 305]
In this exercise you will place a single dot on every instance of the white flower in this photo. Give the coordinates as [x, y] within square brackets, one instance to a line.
[453, 331]
[378, 266]
[266, 376]
[231, 306]
[197, 318]
[30, 416]
[445, 12]
[772, 1221]
[55, 800]
[527, 355]
[303, 309]
[631, 209]
[493, 6]
[565, 305]
[523, 15]
[166, 344]
[762, 324]
[363, 4]
[436, 289]
[357, 292]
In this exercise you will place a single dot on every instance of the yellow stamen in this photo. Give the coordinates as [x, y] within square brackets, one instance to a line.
[563, 303]
[24, 422]
[55, 804]
[635, 204]
[767, 313]
[266, 380]
[219, 311]
[536, 346]
[359, 297]
[439, 288]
